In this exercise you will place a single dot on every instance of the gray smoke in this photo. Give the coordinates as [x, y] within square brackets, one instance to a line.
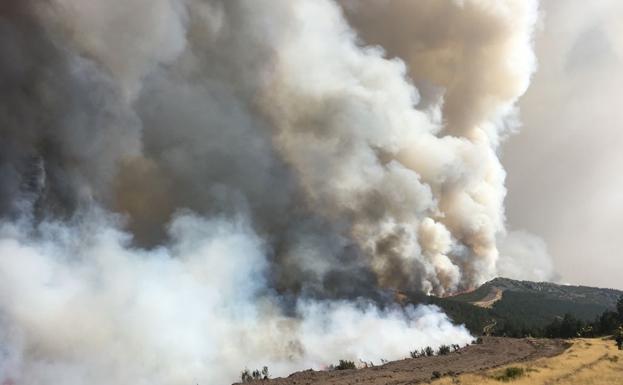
[573, 133]
[189, 187]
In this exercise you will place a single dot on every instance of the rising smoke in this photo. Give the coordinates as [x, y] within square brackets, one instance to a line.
[189, 187]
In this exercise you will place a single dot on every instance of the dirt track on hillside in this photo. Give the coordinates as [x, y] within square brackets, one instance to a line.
[494, 351]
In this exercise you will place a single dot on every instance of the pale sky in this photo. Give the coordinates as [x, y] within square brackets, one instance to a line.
[565, 167]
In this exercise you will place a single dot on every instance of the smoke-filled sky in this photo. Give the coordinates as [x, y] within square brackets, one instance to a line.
[191, 187]
[565, 178]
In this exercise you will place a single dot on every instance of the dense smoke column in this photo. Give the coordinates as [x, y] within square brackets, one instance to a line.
[334, 166]
[182, 179]
[476, 57]
[61, 123]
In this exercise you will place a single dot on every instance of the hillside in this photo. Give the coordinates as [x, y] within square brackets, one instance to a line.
[496, 361]
[491, 353]
[584, 295]
[509, 304]
[587, 361]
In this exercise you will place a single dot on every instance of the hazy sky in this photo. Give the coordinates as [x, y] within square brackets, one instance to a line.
[565, 167]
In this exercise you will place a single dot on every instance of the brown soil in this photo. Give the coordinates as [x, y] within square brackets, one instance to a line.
[493, 352]
[491, 298]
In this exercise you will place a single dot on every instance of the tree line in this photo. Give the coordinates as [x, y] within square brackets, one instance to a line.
[608, 323]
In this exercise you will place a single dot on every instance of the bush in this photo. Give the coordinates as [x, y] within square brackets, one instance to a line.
[247, 376]
[429, 352]
[613, 359]
[608, 322]
[436, 375]
[345, 364]
[414, 354]
[618, 337]
[510, 374]
[265, 374]
[443, 350]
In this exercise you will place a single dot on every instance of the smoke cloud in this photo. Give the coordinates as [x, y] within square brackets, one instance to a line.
[525, 256]
[191, 187]
[95, 310]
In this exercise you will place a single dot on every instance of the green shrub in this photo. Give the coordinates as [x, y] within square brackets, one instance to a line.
[443, 350]
[345, 364]
[510, 374]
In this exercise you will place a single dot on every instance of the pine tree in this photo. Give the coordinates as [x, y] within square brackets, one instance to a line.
[618, 337]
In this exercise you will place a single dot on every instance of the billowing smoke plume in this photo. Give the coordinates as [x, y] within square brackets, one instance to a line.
[189, 187]
[473, 59]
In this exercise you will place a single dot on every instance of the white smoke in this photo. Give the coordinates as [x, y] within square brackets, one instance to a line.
[478, 56]
[79, 305]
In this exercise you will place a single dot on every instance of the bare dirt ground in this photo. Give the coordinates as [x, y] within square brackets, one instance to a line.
[491, 298]
[493, 352]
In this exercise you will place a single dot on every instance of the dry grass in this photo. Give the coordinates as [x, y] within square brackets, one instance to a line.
[587, 362]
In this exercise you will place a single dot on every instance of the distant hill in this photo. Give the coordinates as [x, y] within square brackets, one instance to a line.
[503, 302]
[604, 298]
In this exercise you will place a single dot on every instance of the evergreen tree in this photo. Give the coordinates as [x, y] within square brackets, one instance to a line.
[618, 337]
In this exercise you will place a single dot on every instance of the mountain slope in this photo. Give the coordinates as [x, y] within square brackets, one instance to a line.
[525, 305]
[604, 298]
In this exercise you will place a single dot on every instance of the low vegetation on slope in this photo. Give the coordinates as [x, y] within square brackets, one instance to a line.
[587, 361]
[490, 352]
